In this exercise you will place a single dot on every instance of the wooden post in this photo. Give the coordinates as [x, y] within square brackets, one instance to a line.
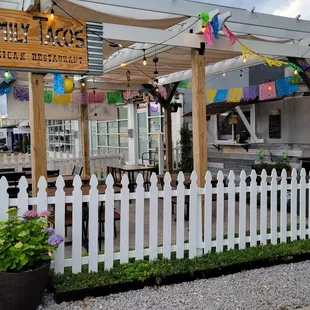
[85, 136]
[199, 115]
[37, 127]
[168, 139]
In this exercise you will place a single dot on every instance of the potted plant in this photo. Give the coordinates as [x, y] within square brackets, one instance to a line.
[26, 247]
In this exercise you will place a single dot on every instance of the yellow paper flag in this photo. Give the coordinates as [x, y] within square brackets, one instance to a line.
[211, 94]
[62, 99]
[234, 95]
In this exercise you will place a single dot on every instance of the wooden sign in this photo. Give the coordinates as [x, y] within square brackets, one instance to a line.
[37, 42]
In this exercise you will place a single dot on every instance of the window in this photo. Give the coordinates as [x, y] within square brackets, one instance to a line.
[231, 128]
[275, 124]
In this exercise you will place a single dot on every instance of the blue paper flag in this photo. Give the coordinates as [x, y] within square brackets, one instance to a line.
[5, 89]
[215, 26]
[221, 95]
[59, 84]
[284, 87]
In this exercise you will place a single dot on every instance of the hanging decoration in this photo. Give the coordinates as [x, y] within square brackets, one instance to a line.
[216, 27]
[267, 91]
[5, 89]
[68, 85]
[234, 95]
[95, 97]
[250, 92]
[131, 94]
[284, 87]
[210, 95]
[183, 84]
[230, 35]
[48, 96]
[62, 99]
[207, 33]
[8, 76]
[295, 79]
[162, 91]
[79, 98]
[21, 93]
[58, 84]
[114, 97]
[221, 95]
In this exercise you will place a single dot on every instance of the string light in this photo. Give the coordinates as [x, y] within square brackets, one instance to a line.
[123, 64]
[224, 74]
[270, 88]
[295, 72]
[244, 59]
[203, 29]
[52, 13]
[156, 88]
[6, 74]
[144, 62]
[83, 83]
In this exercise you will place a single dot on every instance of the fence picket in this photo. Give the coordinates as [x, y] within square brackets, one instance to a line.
[180, 216]
[220, 213]
[294, 206]
[93, 220]
[22, 196]
[77, 220]
[193, 216]
[208, 214]
[124, 226]
[302, 204]
[263, 208]
[109, 224]
[59, 221]
[167, 217]
[42, 195]
[273, 207]
[283, 208]
[153, 234]
[231, 210]
[242, 210]
[5, 161]
[4, 199]
[253, 208]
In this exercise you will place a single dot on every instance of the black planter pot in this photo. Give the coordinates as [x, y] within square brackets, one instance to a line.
[23, 290]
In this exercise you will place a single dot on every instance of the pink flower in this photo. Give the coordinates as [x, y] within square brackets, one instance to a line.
[45, 213]
[31, 213]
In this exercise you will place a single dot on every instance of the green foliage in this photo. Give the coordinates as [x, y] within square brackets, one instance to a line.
[24, 242]
[25, 143]
[186, 163]
[155, 271]
[269, 167]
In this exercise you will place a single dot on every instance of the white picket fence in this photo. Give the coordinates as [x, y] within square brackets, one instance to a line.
[233, 210]
[64, 162]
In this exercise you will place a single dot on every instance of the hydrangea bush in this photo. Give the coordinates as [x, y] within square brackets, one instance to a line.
[26, 242]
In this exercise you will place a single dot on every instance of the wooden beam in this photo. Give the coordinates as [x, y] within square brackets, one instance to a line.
[199, 115]
[168, 139]
[37, 128]
[85, 136]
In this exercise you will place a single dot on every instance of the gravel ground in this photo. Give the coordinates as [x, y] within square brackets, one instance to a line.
[281, 287]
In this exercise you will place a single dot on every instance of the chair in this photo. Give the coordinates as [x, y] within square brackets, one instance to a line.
[77, 170]
[12, 179]
[147, 178]
[151, 158]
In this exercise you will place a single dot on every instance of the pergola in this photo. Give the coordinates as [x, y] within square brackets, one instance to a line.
[171, 30]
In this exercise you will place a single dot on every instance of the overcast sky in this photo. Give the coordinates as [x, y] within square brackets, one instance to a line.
[289, 8]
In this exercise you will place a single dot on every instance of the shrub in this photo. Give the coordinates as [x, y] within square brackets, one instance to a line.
[26, 242]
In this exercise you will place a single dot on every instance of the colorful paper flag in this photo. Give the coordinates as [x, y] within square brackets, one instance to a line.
[48, 96]
[62, 99]
[114, 97]
[284, 87]
[267, 91]
[234, 95]
[221, 95]
[210, 95]
[250, 93]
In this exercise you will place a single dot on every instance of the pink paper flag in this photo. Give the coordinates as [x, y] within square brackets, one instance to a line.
[267, 91]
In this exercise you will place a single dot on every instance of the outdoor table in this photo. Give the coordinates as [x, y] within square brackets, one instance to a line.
[67, 178]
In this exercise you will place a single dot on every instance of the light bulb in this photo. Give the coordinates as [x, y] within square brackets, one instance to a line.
[244, 59]
[203, 29]
[295, 71]
[270, 88]
[52, 13]
[123, 64]
[83, 83]
[144, 62]
[6, 73]
[224, 74]
[156, 89]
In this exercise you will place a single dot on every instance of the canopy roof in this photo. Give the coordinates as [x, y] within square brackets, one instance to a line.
[170, 28]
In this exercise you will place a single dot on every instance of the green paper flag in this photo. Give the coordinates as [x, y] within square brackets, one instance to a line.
[183, 84]
[114, 97]
[48, 95]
